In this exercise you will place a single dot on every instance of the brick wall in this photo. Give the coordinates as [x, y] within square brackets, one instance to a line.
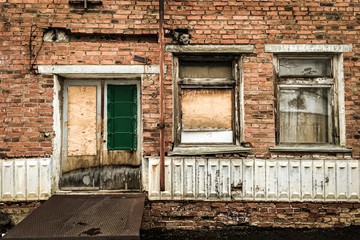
[115, 31]
[198, 214]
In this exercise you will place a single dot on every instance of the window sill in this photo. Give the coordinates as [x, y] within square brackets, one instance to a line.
[318, 149]
[207, 150]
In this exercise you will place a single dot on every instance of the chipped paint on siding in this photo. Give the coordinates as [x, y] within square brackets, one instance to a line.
[255, 179]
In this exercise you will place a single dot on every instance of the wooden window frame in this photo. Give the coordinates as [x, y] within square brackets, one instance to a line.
[330, 82]
[233, 83]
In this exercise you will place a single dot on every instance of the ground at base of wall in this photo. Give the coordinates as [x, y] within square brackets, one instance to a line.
[254, 233]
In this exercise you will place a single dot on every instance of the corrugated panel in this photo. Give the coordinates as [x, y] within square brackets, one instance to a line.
[306, 180]
[260, 179]
[168, 184]
[341, 180]
[354, 178]
[178, 179]
[271, 180]
[8, 187]
[20, 180]
[32, 183]
[236, 179]
[225, 174]
[256, 179]
[294, 180]
[213, 179]
[318, 180]
[189, 183]
[201, 179]
[283, 180]
[330, 181]
[248, 176]
[25, 179]
[44, 179]
[154, 178]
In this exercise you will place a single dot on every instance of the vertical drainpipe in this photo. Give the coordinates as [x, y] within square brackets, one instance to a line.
[161, 95]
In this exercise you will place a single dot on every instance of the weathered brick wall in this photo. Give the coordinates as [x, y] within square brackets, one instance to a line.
[112, 33]
[198, 214]
[275, 22]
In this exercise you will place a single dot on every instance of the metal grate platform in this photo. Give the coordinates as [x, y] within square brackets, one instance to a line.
[110, 216]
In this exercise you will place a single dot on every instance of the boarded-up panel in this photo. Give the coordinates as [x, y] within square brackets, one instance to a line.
[205, 109]
[305, 116]
[81, 120]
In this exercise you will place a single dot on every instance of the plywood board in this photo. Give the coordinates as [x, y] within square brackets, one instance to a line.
[81, 120]
[205, 109]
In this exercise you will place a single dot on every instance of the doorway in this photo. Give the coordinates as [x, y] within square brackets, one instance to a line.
[100, 147]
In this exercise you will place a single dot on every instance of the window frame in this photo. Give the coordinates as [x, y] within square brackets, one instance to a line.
[208, 83]
[316, 82]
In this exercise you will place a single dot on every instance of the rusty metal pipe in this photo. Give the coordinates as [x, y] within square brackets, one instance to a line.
[161, 95]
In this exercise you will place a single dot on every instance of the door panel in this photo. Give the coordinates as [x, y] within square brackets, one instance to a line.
[80, 165]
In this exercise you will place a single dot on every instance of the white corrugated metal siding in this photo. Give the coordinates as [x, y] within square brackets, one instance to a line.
[25, 179]
[255, 179]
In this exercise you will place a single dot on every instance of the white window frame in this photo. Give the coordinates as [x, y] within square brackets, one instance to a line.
[207, 138]
[336, 52]
[303, 82]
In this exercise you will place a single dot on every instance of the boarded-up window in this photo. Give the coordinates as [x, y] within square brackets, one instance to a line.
[305, 100]
[206, 101]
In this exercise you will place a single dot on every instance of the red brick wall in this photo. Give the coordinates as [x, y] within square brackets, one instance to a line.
[25, 97]
[198, 214]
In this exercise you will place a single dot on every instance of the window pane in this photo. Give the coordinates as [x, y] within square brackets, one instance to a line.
[305, 67]
[305, 115]
[205, 69]
[207, 109]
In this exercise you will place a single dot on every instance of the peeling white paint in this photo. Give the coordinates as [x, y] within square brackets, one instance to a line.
[256, 179]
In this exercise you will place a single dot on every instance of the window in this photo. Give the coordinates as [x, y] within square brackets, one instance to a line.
[208, 98]
[306, 101]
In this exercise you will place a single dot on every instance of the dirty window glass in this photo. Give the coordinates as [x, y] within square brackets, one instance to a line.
[305, 115]
[205, 69]
[305, 67]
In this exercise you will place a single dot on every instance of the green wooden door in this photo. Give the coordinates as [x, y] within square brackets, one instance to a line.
[121, 159]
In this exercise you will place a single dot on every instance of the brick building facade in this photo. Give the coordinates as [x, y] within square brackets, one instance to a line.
[261, 107]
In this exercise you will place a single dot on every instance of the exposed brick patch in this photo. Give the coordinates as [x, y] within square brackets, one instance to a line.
[212, 215]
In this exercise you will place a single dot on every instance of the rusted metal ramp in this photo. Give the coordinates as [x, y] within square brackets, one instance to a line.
[109, 216]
